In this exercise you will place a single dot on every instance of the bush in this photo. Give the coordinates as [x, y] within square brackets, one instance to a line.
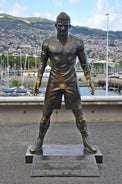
[15, 83]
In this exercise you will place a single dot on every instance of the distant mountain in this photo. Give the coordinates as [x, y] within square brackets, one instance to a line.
[28, 20]
[8, 22]
[25, 36]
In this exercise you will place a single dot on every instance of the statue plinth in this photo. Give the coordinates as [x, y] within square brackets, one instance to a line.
[64, 160]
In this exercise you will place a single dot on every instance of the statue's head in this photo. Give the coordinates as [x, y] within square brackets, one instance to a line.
[63, 23]
[63, 17]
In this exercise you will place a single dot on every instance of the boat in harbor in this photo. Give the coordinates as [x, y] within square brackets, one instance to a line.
[13, 91]
[8, 90]
[20, 91]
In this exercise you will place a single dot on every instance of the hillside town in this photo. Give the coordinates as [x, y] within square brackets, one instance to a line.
[20, 49]
[25, 38]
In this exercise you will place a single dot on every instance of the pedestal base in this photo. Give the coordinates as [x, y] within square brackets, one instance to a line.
[65, 166]
[63, 150]
[64, 160]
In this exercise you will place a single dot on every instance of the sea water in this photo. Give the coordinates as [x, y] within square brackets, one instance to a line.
[99, 91]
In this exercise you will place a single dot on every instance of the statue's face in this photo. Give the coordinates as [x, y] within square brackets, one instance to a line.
[63, 27]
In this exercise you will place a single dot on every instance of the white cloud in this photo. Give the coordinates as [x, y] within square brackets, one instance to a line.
[75, 23]
[58, 3]
[19, 10]
[37, 14]
[99, 20]
[74, 1]
[115, 21]
[100, 4]
[47, 15]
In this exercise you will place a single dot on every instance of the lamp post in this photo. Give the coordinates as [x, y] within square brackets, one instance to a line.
[7, 69]
[107, 14]
[35, 56]
[26, 57]
[1, 77]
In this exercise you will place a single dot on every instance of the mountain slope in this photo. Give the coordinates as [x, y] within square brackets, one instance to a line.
[8, 22]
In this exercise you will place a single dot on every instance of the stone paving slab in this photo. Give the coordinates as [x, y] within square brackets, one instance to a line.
[15, 139]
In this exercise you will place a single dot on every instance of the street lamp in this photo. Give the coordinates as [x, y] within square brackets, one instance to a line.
[26, 57]
[8, 69]
[107, 14]
[1, 66]
[35, 56]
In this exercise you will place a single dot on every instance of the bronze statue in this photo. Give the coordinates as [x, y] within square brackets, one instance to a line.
[62, 49]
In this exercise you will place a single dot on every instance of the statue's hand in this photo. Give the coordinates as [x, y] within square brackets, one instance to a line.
[91, 85]
[36, 87]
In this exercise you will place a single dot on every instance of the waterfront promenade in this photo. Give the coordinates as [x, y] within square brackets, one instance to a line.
[29, 109]
[16, 137]
[19, 125]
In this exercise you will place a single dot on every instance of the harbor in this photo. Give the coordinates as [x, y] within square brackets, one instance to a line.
[113, 84]
[26, 89]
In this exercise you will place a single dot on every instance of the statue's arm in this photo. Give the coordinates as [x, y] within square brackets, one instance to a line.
[85, 66]
[41, 68]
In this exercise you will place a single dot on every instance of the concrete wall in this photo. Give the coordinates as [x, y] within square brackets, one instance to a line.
[29, 109]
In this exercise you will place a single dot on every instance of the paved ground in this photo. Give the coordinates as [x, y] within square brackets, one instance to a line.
[15, 138]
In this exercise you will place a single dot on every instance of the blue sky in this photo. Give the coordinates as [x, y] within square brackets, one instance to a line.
[90, 13]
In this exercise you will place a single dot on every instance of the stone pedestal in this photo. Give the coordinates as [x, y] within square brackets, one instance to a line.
[64, 150]
[64, 160]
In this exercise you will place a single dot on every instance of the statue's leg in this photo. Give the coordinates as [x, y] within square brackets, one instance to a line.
[50, 100]
[44, 125]
[73, 96]
[82, 126]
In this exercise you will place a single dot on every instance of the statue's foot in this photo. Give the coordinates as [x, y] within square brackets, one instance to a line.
[90, 148]
[88, 145]
[37, 147]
